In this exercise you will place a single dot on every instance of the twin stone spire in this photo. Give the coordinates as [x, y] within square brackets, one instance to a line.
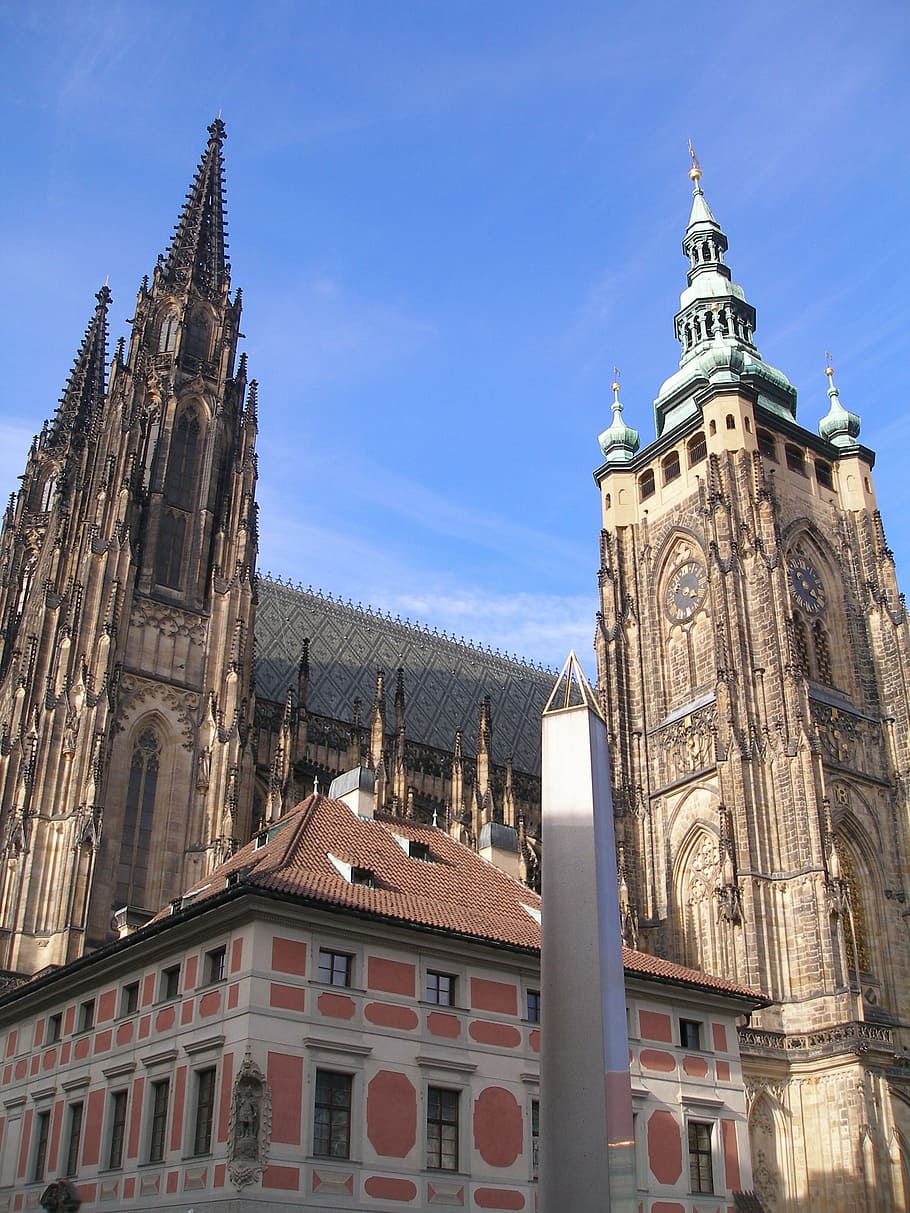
[715, 327]
[196, 263]
[715, 323]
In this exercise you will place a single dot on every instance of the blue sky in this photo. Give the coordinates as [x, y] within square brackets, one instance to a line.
[450, 221]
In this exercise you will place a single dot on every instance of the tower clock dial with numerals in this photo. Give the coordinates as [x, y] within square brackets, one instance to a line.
[806, 586]
[686, 591]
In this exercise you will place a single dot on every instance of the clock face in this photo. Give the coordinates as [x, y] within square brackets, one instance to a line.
[686, 591]
[806, 586]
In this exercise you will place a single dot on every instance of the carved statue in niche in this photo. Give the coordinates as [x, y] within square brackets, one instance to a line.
[250, 1127]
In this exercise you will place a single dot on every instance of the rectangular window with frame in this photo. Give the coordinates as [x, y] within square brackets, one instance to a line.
[54, 1028]
[160, 1095]
[701, 1170]
[42, 1127]
[118, 1128]
[86, 1016]
[215, 965]
[441, 989]
[535, 1137]
[689, 1034]
[129, 998]
[335, 967]
[332, 1115]
[205, 1108]
[533, 1005]
[74, 1138]
[169, 984]
[442, 1129]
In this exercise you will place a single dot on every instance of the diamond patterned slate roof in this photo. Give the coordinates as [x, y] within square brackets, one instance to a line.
[455, 891]
[445, 679]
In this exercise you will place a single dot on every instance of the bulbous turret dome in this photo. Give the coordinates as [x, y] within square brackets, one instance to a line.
[839, 426]
[619, 441]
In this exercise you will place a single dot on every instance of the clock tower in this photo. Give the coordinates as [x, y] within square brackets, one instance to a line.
[753, 661]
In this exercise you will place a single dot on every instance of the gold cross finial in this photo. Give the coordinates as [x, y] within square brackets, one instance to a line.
[614, 386]
[695, 170]
[829, 365]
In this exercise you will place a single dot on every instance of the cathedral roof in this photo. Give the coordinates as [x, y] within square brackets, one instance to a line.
[445, 678]
[307, 852]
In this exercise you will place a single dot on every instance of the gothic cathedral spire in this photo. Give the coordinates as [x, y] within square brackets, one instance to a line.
[198, 252]
[126, 593]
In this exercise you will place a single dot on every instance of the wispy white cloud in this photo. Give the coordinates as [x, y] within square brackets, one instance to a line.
[324, 332]
[367, 497]
[505, 610]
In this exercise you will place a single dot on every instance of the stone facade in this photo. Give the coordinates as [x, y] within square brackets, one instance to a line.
[752, 648]
[126, 601]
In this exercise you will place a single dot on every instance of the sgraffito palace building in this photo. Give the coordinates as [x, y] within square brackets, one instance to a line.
[160, 705]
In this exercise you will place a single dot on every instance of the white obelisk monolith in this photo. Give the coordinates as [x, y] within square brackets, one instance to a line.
[587, 1160]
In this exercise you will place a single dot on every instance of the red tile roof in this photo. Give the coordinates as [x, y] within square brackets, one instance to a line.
[455, 892]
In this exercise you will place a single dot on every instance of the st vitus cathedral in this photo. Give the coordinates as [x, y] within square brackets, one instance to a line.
[138, 748]
[159, 702]
[753, 660]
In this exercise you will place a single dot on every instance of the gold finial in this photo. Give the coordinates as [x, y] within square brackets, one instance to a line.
[829, 366]
[695, 170]
[614, 386]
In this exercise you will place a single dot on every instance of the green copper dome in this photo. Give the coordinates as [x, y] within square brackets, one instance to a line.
[619, 441]
[839, 426]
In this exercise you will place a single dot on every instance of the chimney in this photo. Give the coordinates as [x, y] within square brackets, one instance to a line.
[355, 789]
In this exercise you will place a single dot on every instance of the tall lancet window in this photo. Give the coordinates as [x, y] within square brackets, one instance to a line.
[136, 841]
[25, 584]
[196, 340]
[167, 334]
[182, 461]
[171, 539]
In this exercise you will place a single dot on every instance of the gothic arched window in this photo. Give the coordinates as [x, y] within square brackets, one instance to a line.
[196, 339]
[697, 448]
[801, 645]
[138, 818]
[25, 583]
[180, 481]
[167, 334]
[698, 875]
[47, 493]
[171, 538]
[822, 654]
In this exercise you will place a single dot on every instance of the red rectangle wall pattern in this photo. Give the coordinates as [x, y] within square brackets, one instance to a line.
[489, 995]
[285, 1076]
[224, 1108]
[91, 1148]
[236, 955]
[56, 1122]
[654, 1025]
[26, 1142]
[390, 976]
[132, 1149]
[107, 1005]
[189, 973]
[179, 1097]
[288, 956]
[731, 1154]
